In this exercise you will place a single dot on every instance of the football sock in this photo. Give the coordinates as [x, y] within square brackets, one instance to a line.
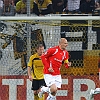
[51, 97]
[45, 89]
[36, 97]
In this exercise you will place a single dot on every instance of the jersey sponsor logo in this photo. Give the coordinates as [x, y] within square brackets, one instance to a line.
[57, 60]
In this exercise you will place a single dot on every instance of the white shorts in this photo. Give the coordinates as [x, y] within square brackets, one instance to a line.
[50, 79]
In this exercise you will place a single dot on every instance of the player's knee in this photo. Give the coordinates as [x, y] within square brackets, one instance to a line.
[53, 90]
[35, 92]
[54, 93]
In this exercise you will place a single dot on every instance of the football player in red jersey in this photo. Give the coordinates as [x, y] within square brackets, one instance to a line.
[52, 60]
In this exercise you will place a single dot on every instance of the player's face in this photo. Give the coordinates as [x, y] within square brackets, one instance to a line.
[64, 44]
[40, 50]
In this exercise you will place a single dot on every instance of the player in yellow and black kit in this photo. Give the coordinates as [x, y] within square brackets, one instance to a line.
[42, 7]
[35, 71]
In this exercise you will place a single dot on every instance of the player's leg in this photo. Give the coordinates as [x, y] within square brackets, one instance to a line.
[95, 91]
[35, 95]
[54, 85]
[35, 87]
[43, 84]
[49, 82]
[91, 94]
[52, 93]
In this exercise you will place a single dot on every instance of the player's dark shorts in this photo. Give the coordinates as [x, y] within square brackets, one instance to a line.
[36, 84]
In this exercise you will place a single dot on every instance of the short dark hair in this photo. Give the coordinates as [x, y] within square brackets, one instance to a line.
[39, 45]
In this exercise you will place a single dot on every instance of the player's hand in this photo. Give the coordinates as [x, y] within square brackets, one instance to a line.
[30, 78]
[51, 69]
[69, 64]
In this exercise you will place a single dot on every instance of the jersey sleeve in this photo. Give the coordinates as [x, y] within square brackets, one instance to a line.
[46, 55]
[30, 62]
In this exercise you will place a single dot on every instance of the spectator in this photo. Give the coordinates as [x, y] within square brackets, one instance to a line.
[72, 6]
[11, 9]
[97, 4]
[58, 5]
[88, 6]
[21, 6]
[1, 7]
[42, 7]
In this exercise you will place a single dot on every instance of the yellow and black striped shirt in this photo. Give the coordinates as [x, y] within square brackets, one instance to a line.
[37, 66]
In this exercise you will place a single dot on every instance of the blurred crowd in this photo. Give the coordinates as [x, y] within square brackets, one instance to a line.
[44, 7]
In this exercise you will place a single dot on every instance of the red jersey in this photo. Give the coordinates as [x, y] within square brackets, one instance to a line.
[54, 57]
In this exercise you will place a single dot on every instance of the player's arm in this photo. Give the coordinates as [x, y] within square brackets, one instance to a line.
[45, 57]
[67, 63]
[29, 73]
[29, 68]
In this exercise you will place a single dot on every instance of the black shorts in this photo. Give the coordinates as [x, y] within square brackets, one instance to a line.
[36, 84]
